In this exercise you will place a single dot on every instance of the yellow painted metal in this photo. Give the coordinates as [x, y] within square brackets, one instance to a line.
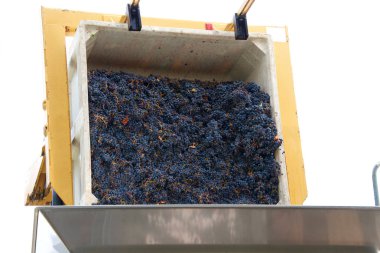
[229, 27]
[57, 106]
[245, 7]
[60, 23]
[257, 29]
[290, 129]
[242, 11]
[36, 192]
[42, 202]
[135, 2]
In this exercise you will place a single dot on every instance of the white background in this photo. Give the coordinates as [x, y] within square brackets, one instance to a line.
[335, 53]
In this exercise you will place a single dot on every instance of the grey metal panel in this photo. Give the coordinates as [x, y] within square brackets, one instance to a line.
[207, 228]
[229, 249]
[47, 239]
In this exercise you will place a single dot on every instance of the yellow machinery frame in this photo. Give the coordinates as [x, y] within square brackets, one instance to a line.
[57, 24]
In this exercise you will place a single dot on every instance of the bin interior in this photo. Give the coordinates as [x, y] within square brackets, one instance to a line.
[180, 55]
[175, 53]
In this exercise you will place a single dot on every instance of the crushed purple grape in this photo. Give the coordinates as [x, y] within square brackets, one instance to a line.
[156, 140]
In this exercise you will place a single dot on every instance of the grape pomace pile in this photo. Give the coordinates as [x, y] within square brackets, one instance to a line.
[156, 140]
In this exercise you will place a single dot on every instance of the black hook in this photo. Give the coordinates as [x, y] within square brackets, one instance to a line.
[134, 17]
[241, 27]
